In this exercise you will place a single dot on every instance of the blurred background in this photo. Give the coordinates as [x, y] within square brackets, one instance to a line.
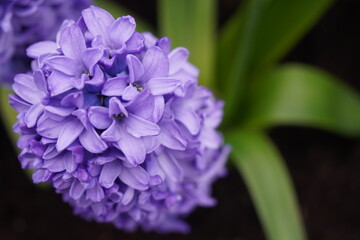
[325, 167]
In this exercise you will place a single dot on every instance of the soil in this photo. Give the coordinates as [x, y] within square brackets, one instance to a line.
[325, 167]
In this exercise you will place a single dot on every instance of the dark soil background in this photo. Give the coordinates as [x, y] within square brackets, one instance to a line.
[325, 167]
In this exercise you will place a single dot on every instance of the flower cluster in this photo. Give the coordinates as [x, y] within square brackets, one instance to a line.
[116, 122]
[24, 22]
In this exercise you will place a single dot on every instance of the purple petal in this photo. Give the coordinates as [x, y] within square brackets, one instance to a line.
[55, 164]
[177, 58]
[159, 106]
[142, 105]
[115, 86]
[164, 43]
[98, 21]
[99, 117]
[90, 57]
[57, 113]
[136, 69]
[136, 178]
[121, 30]
[189, 118]
[41, 48]
[112, 134]
[71, 130]
[171, 167]
[18, 103]
[49, 128]
[128, 196]
[171, 136]
[95, 194]
[132, 147]
[76, 190]
[75, 99]
[92, 142]
[70, 164]
[136, 43]
[129, 93]
[116, 107]
[162, 86]
[139, 127]
[59, 83]
[109, 173]
[72, 42]
[66, 65]
[155, 63]
[40, 81]
[33, 114]
[25, 87]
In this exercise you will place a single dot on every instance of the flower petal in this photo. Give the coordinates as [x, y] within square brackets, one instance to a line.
[121, 30]
[66, 65]
[129, 93]
[75, 99]
[48, 128]
[33, 114]
[41, 48]
[71, 130]
[132, 147]
[112, 134]
[115, 86]
[98, 21]
[136, 69]
[177, 58]
[170, 166]
[139, 127]
[95, 194]
[72, 41]
[99, 117]
[136, 178]
[162, 86]
[189, 118]
[155, 63]
[109, 173]
[25, 87]
[59, 83]
[171, 136]
[76, 190]
[91, 141]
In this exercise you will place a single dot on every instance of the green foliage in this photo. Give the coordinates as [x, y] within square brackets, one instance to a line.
[296, 94]
[260, 33]
[8, 115]
[192, 23]
[269, 184]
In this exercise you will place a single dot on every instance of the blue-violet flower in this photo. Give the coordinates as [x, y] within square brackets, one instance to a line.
[116, 122]
[24, 22]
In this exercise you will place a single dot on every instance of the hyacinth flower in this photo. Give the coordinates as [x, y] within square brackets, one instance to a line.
[115, 121]
[24, 22]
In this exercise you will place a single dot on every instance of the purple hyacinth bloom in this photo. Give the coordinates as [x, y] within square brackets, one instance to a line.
[24, 22]
[114, 120]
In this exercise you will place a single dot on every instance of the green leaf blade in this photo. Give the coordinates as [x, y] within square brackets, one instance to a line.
[296, 94]
[269, 184]
[191, 24]
[259, 34]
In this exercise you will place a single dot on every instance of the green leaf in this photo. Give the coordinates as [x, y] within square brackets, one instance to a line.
[8, 116]
[259, 34]
[269, 184]
[296, 94]
[117, 11]
[191, 24]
